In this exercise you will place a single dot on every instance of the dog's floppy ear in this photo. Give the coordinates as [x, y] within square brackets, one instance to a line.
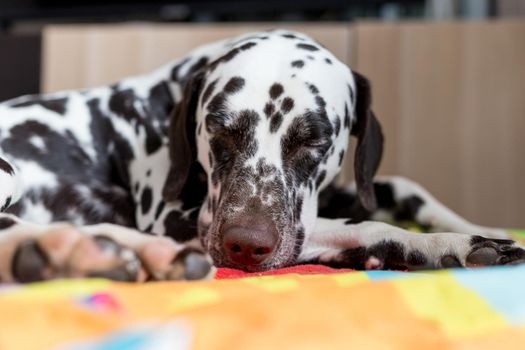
[182, 145]
[369, 144]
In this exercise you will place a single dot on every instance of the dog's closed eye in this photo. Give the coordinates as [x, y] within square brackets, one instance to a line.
[305, 135]
[222, 150]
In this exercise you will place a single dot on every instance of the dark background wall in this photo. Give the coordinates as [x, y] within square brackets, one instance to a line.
[19, 65]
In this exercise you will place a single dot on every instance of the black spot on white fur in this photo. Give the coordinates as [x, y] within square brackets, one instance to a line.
[230, 55]
[409, 208]
[341, 157]
[307, 47]
[123, 104]
[416, 258]
[146, 199]
[337, 125]
[287, 105]
[351, 92]
[276, 122]
[269, 109]
[175, 70]
[234, 85]
[389, 253]
[53, 158]
[320, 178]
[160, 208]
[6, 203]
[298, 64]
[276, 90]
[290, 36]
[313, 89]
[57, 105]
[6, 167]
[208, 91]
[179, 228]
[347, 117]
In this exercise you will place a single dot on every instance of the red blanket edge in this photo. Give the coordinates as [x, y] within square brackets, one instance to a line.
[225, 273]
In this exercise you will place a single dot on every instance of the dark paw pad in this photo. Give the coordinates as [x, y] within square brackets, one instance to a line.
[190, 264]
[487, 252]
[30, 263]
[483, 257]
[450, 261]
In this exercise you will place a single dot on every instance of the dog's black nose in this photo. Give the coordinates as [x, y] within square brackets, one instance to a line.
[247, 247]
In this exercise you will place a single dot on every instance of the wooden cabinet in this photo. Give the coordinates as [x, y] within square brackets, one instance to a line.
[83, 56]
[451, 99]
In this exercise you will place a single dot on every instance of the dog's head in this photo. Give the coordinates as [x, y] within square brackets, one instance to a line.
[269, 121]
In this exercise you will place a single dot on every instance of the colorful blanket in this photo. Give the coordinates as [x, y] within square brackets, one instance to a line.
[453, 309]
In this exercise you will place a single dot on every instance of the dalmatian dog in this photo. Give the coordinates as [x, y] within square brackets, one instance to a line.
[227, 157]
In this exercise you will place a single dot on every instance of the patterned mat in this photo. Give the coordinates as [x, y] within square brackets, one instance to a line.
[453, 309]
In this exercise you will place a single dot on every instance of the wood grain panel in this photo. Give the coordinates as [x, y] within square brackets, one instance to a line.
[450, 98]
[82, 56]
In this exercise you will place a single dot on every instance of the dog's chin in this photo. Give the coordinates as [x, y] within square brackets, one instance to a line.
[220, 262]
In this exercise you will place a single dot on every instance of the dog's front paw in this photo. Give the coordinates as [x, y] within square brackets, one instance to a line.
[481, 251]
[486, 252]
[106, 251]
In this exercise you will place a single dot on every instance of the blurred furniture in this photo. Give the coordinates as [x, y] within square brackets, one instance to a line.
[19, 65]
[510, 8]
[449, 95]
[81, 56]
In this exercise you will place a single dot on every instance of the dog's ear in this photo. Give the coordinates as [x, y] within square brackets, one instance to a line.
[369, 144]
[181, 135]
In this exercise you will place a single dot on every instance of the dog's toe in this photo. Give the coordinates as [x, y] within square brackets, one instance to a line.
[64, 251]
[31, 263]
[166, 260]
[450, 261]
[125, 265]
[489, 252]
[484, 256]
[101, 256]
[190, 264]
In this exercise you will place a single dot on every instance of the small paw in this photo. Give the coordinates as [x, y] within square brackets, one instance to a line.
[190, 264]
[66, 252]
[487, 252]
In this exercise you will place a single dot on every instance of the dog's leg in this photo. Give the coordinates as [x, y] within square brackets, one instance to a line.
[400, 199]
[30, 252]
[374, 245]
